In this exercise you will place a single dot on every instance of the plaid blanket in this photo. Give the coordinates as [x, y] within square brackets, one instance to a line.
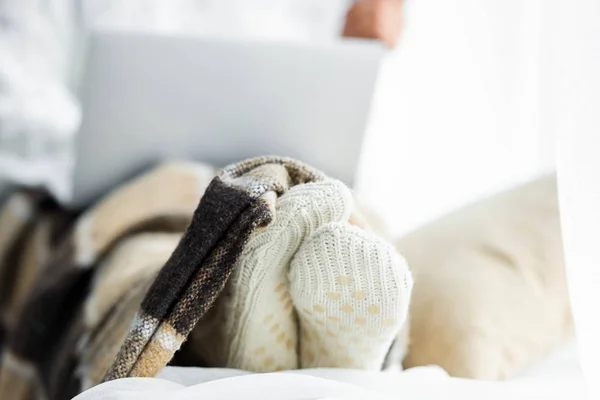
[114, 291]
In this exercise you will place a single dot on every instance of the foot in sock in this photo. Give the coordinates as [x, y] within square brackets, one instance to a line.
[352, 292]
[258, 325]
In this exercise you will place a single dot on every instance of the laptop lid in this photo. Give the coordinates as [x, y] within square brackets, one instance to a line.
[148, 98]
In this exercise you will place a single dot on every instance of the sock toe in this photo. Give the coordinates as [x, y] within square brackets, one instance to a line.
[352, 291]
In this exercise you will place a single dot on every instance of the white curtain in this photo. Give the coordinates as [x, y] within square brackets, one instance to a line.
[574, 89]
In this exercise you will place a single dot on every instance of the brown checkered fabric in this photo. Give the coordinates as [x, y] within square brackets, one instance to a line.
[115, 291]
[188, 285]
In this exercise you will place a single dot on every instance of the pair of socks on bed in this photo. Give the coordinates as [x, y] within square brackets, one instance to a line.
[310, 290]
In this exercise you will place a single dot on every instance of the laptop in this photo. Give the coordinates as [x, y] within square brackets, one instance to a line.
[148, 98]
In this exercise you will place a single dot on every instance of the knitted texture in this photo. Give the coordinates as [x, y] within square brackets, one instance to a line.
[352, 292]
[260, 269]
[256, 322]
[74, 284]
[234, 207]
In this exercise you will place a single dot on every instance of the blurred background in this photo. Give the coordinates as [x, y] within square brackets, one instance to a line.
[461, 105]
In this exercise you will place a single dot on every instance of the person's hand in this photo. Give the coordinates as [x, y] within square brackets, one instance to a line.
[375, 19]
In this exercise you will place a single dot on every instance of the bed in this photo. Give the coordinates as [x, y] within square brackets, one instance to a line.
[556, 377]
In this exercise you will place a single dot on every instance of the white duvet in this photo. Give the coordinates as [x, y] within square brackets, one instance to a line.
[558, 377]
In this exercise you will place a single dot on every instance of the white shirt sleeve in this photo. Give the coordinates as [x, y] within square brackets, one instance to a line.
[38, 114]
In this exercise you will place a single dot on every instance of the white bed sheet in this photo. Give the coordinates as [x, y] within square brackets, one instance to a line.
[556, 377]
[562, 364]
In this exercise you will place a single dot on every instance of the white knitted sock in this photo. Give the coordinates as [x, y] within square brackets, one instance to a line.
[352, 292]
[259, 327]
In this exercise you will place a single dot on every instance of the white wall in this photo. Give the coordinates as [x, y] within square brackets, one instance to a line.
[459, 111]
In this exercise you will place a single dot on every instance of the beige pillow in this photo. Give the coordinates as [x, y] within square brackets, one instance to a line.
[490, 295]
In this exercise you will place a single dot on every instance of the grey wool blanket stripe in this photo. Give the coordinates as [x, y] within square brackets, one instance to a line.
[114, 291]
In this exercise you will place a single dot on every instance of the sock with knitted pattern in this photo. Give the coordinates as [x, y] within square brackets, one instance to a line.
[352, 291]
[257, 328]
